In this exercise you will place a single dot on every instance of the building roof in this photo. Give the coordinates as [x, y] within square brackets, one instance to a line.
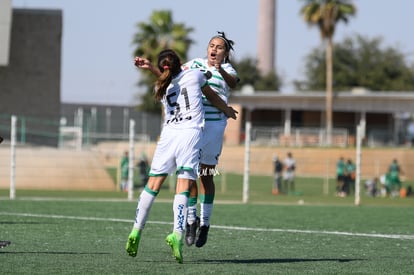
[365, 101]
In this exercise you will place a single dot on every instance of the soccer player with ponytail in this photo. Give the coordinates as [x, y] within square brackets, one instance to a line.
[221, 78]
[180, 93]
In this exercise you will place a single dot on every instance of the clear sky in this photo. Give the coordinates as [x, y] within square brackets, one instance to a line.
[97, 61]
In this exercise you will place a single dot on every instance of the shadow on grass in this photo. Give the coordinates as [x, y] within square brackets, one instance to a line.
[55, 252]
[288, 260]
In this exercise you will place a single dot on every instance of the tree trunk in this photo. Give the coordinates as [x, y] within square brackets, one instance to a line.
[329, 91]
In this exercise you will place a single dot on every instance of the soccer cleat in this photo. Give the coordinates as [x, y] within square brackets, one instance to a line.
[190, 232]
[4, 243]
[202, 235]
[133, 241]
[176, 246]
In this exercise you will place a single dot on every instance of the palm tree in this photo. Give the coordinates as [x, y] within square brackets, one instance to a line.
[325, 14]
[158, 34]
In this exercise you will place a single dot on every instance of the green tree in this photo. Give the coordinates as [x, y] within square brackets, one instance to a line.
[250, 75]
[158, 34]
[268, 82]
[325, 14]
[360, 62]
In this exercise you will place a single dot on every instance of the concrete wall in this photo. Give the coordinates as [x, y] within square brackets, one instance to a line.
[54, 169]
[30, 84]
[57, 169]
[311, 162]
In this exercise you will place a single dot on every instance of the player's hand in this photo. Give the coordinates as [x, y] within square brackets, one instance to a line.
[145, 64]
[142, 63]
[217, 66]
[231, 113]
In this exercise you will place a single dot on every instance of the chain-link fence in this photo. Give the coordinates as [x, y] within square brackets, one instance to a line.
[82, 126]
[83, 156]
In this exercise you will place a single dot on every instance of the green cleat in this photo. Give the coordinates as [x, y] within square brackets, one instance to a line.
[176, 246]
[133, 241]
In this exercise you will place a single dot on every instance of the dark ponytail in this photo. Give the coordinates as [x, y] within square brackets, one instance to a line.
[169, 65]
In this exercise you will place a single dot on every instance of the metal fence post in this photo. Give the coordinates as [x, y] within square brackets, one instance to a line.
[131, 159]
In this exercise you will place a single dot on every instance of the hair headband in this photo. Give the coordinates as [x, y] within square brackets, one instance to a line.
[222, 36]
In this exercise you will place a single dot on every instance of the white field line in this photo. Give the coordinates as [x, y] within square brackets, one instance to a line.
[373, 235]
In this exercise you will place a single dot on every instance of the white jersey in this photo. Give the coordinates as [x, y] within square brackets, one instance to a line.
[183, 107]
[180, 141]
[216, 82]
[290, 166]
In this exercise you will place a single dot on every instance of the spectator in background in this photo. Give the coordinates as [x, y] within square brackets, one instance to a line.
[383, 185]
[289, 165]
[409, 191]
[349, 178]
[340, 176]
[124, 171]
[371, 187]
[393, 178]
[278, 168]
[410, 135]
[143, 169]
[395, 168]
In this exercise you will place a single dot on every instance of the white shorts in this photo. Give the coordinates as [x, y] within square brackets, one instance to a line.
[177, 151]
[212, 141]
[289, 175]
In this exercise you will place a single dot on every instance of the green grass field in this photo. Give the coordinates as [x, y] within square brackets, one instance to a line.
[68, 232]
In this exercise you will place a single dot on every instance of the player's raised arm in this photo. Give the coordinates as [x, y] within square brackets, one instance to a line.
[218, 102]
[145, 64]
[231, 80]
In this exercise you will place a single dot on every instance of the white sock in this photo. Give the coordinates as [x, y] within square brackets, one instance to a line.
[144, 206]
[180, 213]
[205, 213]
[191, 214]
